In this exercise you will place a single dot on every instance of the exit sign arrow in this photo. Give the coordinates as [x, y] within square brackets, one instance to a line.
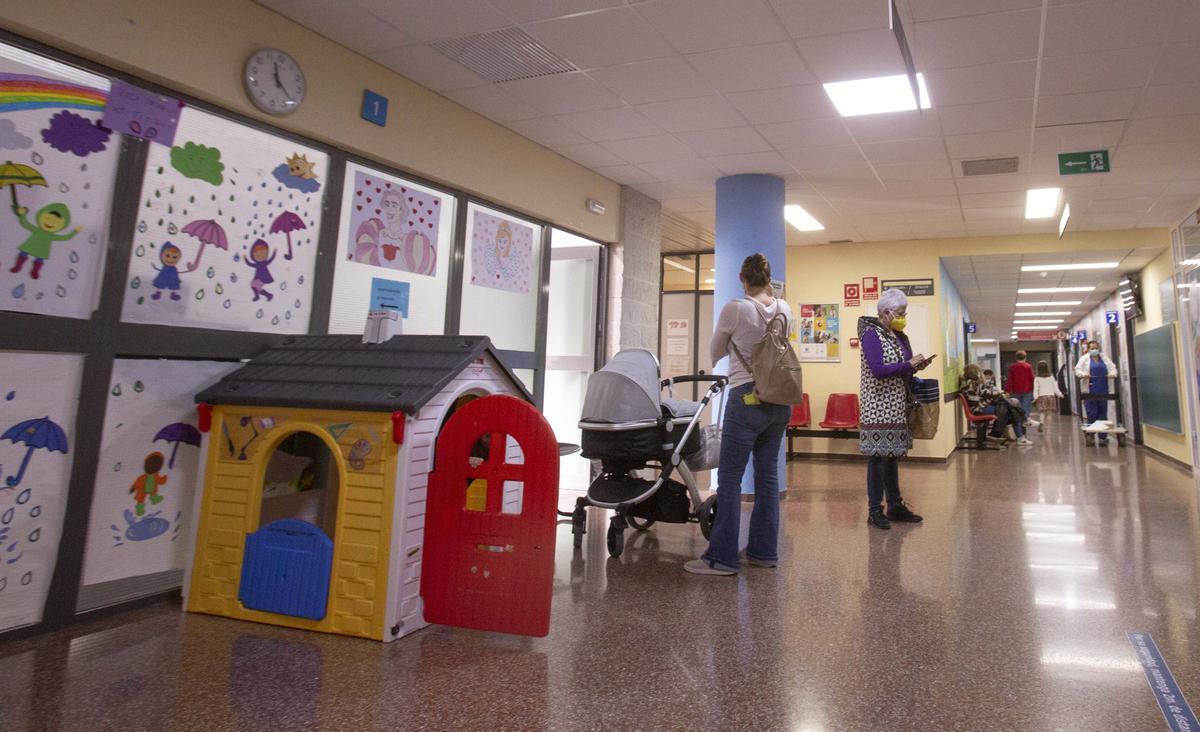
[1077, 163]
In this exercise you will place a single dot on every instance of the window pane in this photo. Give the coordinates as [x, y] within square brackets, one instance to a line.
[708, 271]
[679, 272]
[393, 251]
[501, 275]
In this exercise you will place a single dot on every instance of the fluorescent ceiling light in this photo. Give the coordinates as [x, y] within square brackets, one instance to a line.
[1047, 328]
[1047, 290]
[1058, 267]
[1048, 302]
[1041, 203]
[677, 265]
[1190, 262]
[801, 219]
[877, 95]
[1037, 322]
[983, 340]
[1123, 282]
[1038, 315]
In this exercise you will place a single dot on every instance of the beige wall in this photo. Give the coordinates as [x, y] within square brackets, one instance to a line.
[1168, 443]
[816, 274]
[200, 47]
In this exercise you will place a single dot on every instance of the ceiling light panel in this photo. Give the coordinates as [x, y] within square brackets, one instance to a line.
[1042, 203]
[877, 95]
[1062, 267]
[801, 219]
[1048, 290]
[1048, 303]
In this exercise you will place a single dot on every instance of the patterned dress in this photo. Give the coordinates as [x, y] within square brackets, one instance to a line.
[883, 427]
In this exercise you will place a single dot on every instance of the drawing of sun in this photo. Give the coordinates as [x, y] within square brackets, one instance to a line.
[300, 167]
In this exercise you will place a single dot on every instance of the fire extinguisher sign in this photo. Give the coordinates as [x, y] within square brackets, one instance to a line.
[852, 294]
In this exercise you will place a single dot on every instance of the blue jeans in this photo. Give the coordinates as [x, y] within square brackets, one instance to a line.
[1004, 419]
[1026, 401]
[748, 429]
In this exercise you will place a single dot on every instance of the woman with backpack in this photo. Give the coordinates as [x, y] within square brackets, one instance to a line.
[750, 427]
[886, 374]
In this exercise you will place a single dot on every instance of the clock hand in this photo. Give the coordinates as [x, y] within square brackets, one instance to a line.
[279, 84]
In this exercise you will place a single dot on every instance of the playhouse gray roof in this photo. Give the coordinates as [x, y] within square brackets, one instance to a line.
[341, 372]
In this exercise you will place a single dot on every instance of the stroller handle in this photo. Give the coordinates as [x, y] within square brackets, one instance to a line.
[693, 378]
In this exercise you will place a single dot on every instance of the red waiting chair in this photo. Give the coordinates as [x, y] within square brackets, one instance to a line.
[801, 418]
[841, 412]
[979, 422]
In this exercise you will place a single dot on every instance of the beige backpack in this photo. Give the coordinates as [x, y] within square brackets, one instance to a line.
[774, 364]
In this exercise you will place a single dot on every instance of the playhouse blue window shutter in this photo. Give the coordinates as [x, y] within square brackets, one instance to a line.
[286, 570]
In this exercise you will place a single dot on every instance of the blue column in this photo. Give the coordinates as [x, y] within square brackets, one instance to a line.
[749, 220]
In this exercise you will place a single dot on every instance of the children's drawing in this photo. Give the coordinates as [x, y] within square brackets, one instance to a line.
[199, 162]
[149, 460]
[70, 133]
[38, 413]
[58, 165]
[394, 225]
[501, 253]
[298, 173]
[147, 485]
[11, 138]
[135, 111]
[286, 223]
[34, 434]
[233, 228]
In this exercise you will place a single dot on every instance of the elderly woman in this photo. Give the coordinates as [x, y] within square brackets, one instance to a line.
[984, 397]
[887, 368]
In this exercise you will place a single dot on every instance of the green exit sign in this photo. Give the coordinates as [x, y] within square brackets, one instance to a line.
[1074, 163]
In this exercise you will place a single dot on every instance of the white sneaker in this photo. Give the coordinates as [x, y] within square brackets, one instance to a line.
[702, 566]
[1024, 441]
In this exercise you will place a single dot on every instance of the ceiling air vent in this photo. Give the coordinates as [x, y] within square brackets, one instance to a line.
[990, 166]
[504, 55]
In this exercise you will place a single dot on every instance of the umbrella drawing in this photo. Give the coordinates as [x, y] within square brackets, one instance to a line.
[179, 433]
[287, 222]
[15, 174]
[36, 434]
[208, 232]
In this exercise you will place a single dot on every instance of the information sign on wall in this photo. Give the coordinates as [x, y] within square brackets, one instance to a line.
[911, 288]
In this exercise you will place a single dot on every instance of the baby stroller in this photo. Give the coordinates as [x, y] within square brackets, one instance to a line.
[630, 429]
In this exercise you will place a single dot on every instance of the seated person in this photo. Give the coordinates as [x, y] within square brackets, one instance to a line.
[985, 398]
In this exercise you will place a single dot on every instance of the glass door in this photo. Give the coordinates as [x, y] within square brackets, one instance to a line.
[572, 335]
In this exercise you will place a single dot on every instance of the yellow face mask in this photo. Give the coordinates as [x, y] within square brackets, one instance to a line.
[899, 322]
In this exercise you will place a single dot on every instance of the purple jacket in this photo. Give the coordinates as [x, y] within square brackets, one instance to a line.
[872, 351]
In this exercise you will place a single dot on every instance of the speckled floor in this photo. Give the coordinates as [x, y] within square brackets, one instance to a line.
[1006, 610]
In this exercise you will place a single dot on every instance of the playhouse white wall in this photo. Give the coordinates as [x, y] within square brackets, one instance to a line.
[416, 460]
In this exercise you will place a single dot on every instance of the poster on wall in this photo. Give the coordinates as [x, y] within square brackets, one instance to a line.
[149, 459]
[227, 230]
[38, 401]
[819, 333]
[394, 234]
[501, 253]
[57, 167]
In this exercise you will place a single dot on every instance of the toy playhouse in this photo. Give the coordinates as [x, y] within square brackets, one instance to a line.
[369, 488]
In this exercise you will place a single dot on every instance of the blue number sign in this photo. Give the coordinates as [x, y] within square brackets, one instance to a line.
[374, 108]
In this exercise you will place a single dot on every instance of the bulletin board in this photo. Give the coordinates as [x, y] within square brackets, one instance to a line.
[227, 230]
[396, 235]
[1157, 382]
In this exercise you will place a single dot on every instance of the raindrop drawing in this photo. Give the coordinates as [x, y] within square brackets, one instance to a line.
[200, 294]
[74, 257]
[139, 387]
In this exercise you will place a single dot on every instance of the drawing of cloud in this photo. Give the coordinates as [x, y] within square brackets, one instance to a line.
[301, 184]
[70, 133]
[198, 161]
[11, 138]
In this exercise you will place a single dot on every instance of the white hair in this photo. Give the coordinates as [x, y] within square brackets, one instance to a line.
[891, 299]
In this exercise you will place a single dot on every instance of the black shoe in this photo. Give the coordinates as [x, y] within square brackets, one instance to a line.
[876, 518]
[901, 512]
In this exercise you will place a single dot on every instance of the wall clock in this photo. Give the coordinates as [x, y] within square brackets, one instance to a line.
[274, 81]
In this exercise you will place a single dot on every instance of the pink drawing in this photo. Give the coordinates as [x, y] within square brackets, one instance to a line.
[501, 253]
[394, 226]
[208, 232]
[287, 222]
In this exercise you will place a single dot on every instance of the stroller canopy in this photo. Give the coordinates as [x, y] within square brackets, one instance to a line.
[626, 390]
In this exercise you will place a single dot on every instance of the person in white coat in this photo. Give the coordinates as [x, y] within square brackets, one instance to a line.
[1096, 368]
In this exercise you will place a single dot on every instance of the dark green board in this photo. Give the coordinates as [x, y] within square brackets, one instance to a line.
[1157, 383]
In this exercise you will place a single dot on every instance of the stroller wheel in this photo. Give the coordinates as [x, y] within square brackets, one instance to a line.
[639, 524]
[578, 522]
[616, 536]
[705, 514]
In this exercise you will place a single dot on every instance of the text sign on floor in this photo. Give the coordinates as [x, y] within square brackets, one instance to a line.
[1089, 161]
[1175, 708]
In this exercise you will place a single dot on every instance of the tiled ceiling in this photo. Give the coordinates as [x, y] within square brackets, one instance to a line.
[990, 283]
[672, 94]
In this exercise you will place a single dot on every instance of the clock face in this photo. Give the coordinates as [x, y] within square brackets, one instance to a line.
[274, 81]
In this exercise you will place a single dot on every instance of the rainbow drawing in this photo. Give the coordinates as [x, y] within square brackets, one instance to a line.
[19, 92]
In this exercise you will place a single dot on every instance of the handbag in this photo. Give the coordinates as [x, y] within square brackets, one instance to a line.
[708, 457]
[775, 367]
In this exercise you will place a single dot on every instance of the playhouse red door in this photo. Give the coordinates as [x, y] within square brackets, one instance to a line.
[490, 525]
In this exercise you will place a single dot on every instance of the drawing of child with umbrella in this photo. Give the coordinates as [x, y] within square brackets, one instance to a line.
[147, 484]
[35, 434]
[168, 275]
[260, 259]
[43, 232]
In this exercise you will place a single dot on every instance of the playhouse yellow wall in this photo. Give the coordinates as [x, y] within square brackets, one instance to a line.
[232, 501]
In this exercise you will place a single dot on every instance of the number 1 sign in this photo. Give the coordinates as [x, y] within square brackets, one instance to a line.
[374, 108]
